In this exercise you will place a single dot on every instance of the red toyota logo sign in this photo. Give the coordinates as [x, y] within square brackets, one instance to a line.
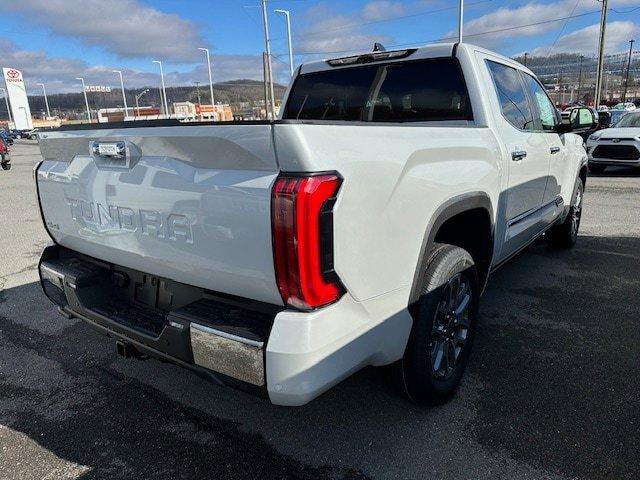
[13, 73]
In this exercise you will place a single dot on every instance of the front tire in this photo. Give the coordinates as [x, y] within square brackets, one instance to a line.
[565, 235]
[444, 326]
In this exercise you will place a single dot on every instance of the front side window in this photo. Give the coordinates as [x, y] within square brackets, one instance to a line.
[546, 109]
[409, 91]
[512, 96]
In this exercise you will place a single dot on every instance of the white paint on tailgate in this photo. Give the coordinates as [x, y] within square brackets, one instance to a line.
[196, 215]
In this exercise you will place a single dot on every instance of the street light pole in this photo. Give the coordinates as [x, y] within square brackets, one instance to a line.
[124, 97]
[267, 42]
[199, 104]
[580, 77]
[560, 87]
[6, 101]
[138, 97]
[213, 102]
[626, 80]
[603, 26]
[46, 102]
[460, 21]
[287, 15]
[86, 102]
[164, 91]
[266, 79]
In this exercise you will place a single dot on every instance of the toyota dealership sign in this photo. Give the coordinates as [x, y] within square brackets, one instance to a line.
[14, 75]
[18, 100]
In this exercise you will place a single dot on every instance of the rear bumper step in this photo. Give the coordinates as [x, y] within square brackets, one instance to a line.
[218, 336]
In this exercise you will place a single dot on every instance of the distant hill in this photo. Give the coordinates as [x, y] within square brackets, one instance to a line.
[570, 66]
[232, 92]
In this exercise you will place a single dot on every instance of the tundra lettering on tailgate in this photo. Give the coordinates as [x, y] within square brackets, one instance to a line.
[150, 223]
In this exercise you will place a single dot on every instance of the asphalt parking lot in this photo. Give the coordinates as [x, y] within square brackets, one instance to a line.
[552, 390]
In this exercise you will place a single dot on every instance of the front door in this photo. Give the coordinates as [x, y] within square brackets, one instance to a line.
[528, 159]
[547, 119]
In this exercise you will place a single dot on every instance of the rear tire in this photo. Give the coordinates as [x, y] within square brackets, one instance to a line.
[443, 329]
[597, 168]
[565, 235]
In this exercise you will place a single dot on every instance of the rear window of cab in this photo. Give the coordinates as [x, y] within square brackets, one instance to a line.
[408, 91]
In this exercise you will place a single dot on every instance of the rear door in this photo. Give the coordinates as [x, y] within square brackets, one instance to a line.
[528, 152]
[188, 203]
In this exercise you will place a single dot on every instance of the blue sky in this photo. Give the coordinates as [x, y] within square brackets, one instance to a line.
[56, 40]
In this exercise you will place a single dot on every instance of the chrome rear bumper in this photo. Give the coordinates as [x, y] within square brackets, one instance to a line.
[228, 354]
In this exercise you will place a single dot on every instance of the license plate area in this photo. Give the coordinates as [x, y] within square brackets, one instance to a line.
[127, 294]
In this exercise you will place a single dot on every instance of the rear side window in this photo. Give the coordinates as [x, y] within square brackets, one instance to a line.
[512, 96]
[416, 91]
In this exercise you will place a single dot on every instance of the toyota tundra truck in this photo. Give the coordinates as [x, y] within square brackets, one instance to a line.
[358, 229]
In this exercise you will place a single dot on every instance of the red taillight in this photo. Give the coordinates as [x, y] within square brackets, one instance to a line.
[303, 239]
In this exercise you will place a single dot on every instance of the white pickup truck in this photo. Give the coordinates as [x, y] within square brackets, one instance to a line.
[358, 229]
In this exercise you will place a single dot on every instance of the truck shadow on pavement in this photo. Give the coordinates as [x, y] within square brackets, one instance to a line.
[552, 387]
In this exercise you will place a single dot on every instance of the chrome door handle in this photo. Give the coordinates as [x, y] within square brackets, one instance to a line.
[555, 149]
[518, 155]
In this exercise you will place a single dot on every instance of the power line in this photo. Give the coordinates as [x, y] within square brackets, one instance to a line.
[564, 25]
[385, 20]
[631, 9]
[488, 32]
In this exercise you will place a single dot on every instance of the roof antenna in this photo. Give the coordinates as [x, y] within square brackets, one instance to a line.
[378, 47]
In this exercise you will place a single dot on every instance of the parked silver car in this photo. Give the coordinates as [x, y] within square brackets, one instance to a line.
[619, 145]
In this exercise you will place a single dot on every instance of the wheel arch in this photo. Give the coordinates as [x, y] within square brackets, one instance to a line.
[582, 174]
[454, 208]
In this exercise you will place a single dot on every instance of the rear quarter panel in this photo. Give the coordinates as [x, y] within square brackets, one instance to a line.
[395, 179]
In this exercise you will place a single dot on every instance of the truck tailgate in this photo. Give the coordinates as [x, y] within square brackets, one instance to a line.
[188, 203]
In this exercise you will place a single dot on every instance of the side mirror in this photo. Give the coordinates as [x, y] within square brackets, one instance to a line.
[582, 118]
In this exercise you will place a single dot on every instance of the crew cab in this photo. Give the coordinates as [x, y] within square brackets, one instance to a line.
[628, 106]
[358, 229]
[617, 146]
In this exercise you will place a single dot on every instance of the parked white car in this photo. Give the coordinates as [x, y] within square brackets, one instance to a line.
[628, 106]
[617, 146]
[358, 229]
